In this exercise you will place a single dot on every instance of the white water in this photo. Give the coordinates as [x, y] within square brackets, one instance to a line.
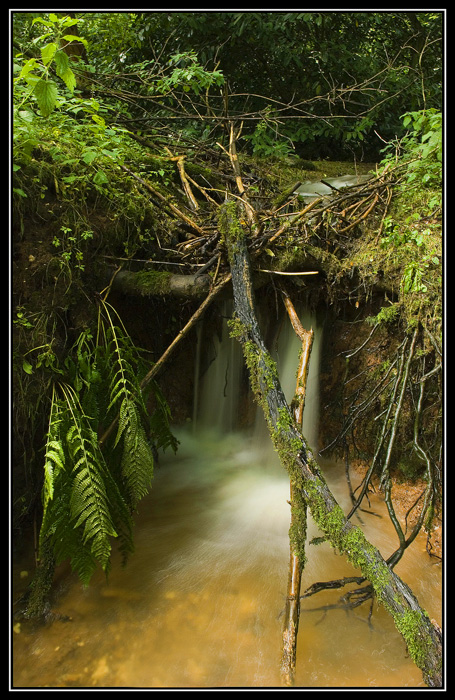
[199, 604]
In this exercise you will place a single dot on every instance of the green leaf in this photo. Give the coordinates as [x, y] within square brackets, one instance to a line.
[26, 115]
[31, 79]
[48, 52]
[89, 156]
[69, 79]
[407, 120]
[28, 66]
[62, 63]
[74, 37]
[42, 21]
[27, 367]
[69, 22]
[100, 178]
[46, 95]
[98, 120]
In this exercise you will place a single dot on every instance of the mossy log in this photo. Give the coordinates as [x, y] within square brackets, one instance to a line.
[153, 283]
[422, 637]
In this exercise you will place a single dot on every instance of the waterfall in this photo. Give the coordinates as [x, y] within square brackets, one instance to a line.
[285, 351]
[218, 390]
[219, 395]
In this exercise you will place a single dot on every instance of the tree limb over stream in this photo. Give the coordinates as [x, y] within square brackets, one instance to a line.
[422, 637]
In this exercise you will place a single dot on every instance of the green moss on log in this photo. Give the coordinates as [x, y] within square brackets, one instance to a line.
[147, 283]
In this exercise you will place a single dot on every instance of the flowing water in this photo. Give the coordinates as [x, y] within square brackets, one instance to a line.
[200, 603]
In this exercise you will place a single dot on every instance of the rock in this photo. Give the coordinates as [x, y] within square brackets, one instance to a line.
[308, 191]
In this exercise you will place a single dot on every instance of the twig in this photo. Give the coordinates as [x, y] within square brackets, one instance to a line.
[277, 272]
[181, 168]
[361, 218]
[163, 199]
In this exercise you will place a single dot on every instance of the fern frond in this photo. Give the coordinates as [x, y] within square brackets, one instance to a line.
[54, 457]
[66, 540]
[137, 457]
[86, 502]
[120, 509]
[160, 419]
[89, 505]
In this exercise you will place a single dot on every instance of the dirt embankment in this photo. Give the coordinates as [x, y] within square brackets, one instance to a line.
[408, 497]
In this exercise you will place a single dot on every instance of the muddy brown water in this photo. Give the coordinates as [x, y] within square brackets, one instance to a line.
[200, 603]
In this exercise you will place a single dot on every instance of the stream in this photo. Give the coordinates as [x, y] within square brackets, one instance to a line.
[200, 603]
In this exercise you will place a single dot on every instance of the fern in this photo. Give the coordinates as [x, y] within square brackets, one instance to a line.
[137, 461]
[160, 421]
[137, 458]
[54, 456]
[89, 505]
[65, 539]
[89, 494]
[80, 525]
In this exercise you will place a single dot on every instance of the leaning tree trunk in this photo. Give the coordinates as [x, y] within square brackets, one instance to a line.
[422, 637]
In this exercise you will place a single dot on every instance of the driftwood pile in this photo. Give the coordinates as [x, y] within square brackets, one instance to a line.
[327, 214]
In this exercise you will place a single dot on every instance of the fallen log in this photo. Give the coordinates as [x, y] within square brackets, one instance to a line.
[423, 638]
[153, 283]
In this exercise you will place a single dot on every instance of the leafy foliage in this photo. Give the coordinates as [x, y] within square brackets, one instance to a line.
[412, 232]
[306, 56]
[87, 500]
[37, 73]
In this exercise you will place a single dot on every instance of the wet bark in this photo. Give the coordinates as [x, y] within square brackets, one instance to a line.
[422, 637]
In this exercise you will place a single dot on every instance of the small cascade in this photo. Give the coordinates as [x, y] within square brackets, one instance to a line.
[285, 348]
[286, 351]
[219, 390]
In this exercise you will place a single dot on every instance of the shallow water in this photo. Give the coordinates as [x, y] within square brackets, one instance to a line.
[200, 603]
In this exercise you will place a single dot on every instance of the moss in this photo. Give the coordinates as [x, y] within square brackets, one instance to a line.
[152, 283]
[363, 556]
[298, 528]
[409, 625]
[298, 256]
[260, 365]
[230, 226]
